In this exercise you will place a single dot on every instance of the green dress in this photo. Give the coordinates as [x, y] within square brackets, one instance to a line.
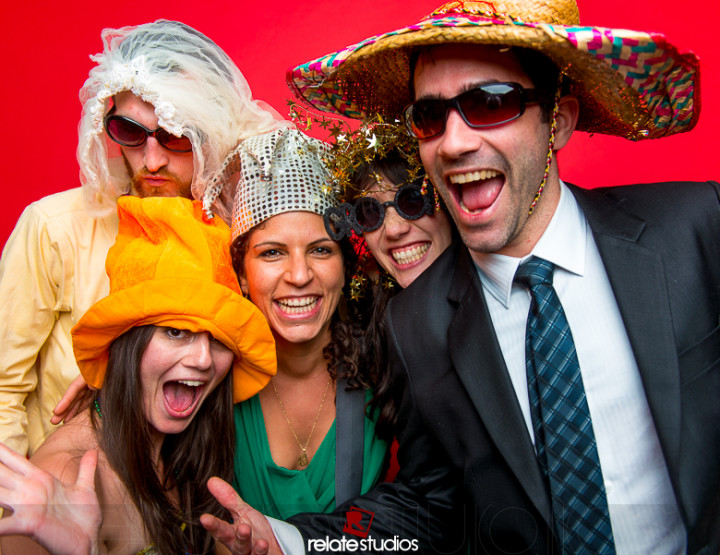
[281, 492]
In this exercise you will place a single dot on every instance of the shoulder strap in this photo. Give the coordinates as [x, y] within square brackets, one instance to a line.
[349, 442]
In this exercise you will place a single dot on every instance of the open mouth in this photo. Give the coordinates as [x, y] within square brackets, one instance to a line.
[298, 305]
[182, 396]
[476, 191]
[405, 255]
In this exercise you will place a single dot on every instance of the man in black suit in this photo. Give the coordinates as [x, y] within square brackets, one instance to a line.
[617, 447]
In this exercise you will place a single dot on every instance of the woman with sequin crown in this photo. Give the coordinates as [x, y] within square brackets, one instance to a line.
[313, 412]
[171, 348]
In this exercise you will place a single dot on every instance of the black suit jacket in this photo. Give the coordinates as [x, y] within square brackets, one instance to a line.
[468, 468]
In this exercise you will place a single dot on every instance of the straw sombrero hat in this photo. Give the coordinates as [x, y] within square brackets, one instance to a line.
[629, 83]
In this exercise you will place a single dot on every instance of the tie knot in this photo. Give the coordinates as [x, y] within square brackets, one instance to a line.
[535, 271]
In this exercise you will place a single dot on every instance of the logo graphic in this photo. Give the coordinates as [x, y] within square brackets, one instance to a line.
[358, 522]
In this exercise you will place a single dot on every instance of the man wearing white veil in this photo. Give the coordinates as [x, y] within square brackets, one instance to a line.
[161, 109]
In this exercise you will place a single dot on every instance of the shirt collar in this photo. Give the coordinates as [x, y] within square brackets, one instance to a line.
[563, 243]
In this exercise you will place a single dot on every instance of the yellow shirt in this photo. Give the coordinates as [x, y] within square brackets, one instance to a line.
[51, 271]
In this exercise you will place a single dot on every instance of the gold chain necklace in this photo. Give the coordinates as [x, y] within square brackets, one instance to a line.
[303, 459]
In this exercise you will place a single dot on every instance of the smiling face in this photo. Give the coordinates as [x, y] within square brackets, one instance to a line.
[293, 272]
[405, 248]
[178, 370]
[488, 177]
[154, 170]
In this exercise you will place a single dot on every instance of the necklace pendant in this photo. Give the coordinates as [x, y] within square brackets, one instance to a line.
[303, 459]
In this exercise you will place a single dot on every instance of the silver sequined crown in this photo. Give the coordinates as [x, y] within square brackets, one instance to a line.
[281, 171]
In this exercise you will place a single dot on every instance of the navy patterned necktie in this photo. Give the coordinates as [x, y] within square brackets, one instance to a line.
[564, 438]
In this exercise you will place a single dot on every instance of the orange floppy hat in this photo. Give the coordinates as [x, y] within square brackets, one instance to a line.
[171, 267]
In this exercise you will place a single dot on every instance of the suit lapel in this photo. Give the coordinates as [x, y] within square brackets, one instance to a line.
[637, 277]
[477, 357]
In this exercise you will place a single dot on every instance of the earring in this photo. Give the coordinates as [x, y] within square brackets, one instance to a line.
[426, 184]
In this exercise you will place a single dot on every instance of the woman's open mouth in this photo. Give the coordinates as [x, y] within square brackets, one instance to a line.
[408, 255]
[182, 396]
[298, 305]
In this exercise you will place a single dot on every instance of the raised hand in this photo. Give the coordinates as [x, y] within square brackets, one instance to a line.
[249, 533]
[63, 518]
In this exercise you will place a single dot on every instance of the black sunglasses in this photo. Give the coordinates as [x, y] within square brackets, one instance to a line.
[483, 106]
[409, 202]
[127, 132]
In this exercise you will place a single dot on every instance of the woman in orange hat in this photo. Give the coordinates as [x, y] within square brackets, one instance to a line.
[171, 348]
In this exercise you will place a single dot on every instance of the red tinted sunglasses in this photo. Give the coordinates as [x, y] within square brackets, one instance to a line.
[128, 132]
[483, 106]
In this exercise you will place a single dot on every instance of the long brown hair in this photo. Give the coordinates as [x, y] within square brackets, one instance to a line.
[188, 460]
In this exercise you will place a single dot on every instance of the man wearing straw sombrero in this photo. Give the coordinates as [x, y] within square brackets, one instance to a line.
[557, 373]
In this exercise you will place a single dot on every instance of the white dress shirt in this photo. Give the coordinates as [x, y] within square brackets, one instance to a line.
[643, 511]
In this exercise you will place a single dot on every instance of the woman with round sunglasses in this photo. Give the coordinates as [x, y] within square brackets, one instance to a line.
[388, 201]
[170, 349]
[402, 222]
[398, 217]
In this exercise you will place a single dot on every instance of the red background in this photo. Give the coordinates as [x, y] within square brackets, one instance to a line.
[44, 62]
